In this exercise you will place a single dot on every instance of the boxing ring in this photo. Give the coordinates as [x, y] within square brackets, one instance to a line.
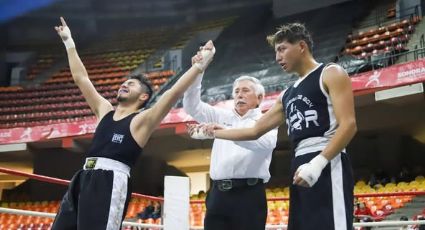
[47, 179]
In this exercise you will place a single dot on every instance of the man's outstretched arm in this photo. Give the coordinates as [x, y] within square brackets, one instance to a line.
[99, 105]
[152, 117]
[271, 119]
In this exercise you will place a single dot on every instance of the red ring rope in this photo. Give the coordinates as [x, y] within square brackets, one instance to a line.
[65, 182]
[137, 195]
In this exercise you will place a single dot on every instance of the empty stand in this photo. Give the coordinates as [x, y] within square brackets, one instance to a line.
[278, 210]
[108, 62]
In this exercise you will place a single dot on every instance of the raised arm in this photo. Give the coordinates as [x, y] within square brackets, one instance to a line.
[99, 105]
[192, 104]
[154, 116]
[263, 143]
[270, 120]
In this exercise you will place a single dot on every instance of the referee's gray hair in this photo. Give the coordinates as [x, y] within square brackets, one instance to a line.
[258, 87]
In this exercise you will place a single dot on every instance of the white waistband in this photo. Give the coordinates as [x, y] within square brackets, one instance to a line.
[311, 145]
[106, 164]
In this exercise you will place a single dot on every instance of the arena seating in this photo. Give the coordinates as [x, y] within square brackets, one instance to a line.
[201, 26]
[43, 63]
[108, 62]
[361, 48]
[381, 40]
[259, 60]
[383, 206]
[278, 210]
[20, 222]
[59, 100]
[380, 206]
[242, 50]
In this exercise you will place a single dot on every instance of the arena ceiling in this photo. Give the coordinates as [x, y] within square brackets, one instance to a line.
[112, 9]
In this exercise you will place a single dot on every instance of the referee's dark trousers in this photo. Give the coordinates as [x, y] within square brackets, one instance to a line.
[236, 204]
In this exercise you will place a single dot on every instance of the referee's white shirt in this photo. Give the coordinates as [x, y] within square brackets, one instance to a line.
[232, 159]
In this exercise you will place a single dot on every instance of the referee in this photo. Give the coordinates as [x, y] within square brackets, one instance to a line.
[239, 169]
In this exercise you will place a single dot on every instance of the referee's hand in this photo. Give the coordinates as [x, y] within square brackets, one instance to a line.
[202, 131]
[198, 131]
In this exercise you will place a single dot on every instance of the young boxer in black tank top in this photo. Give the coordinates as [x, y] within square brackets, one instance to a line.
[319, 112]
[98, 195]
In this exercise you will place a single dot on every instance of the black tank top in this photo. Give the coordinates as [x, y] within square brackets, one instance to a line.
[308, 108]
[113, 140]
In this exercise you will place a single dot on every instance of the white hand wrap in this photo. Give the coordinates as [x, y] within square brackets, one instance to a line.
[311, 171]
[69, 42]
[207, 56]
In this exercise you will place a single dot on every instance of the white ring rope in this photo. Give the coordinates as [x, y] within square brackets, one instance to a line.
[134, 224]
[26, 212]
[52, 215]
[390, 223]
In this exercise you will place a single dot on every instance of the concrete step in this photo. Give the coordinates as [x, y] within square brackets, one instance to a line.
[414, 39]
[412, 208]
[416, 36]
